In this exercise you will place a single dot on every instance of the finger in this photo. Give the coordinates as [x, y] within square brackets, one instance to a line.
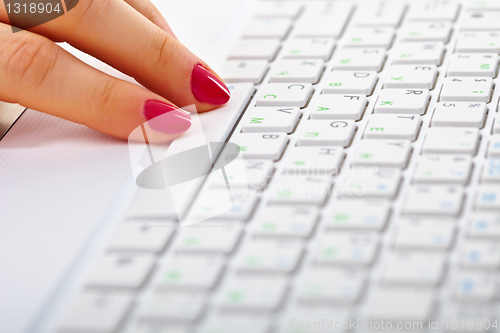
[146, 8]
[41, 75]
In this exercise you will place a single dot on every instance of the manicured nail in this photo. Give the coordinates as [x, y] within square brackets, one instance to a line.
[207, 87]
[166, 118]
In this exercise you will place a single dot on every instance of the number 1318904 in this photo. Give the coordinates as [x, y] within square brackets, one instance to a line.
[33, 8]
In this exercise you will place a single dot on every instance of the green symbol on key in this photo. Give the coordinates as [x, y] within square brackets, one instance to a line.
[345, 61]
[386, 103]
[397, 78]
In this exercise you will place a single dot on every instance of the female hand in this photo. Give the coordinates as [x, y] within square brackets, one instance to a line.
[131, 36]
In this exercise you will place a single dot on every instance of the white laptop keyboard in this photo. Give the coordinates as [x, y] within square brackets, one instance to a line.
[372, 144]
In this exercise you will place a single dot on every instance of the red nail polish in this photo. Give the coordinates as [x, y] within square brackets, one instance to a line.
[207, 87]
[166, 118]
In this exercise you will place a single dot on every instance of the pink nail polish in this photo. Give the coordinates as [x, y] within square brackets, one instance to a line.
[207, 87]
[166, 118]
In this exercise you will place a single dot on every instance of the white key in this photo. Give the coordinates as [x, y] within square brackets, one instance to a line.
[314, 48]
[270, 256]
[427, 32]
[187, 272]
[379, 13]
[323, 19]
[488, 197]
[433, 169]
[299, 190]
[473, 64]
[208, 240]
[141, 237]
[350, 82]
[95, 313]
[470, 312]
[496, 126]
[261, 146]
[285, 94]
[401, 305]
[481, 255]
[281, 222]
[338, 106]
[267, 119]
[314, 161]
[413, 269]
[425, 234]
[172, 307]
[297, 70]
[434, 10]
[288, 9]
[459, 114]
[494, 146]
[230, 323]
[411, 76]
[383, 153]
[483, 5]
[120, 271]
[214, 200]
[451, 140]
[267, 28]
[485, 226]
[491, 171]
[316, 132]
[358, 215]
[481, 21]
[340, 285]
[393, 126]
[347, 248]
[369, 37]
[410, 101]
[255, 175]
[359, 59]
[474, 287]
[234, 71]
[252, 293]
[418, 53]
[372, 182]
[155, 327]
[255, 49]
[466, 89]
[434, 200]
[478, 41]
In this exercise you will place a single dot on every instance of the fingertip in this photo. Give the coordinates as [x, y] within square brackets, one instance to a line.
[208, 87]
[166, 118]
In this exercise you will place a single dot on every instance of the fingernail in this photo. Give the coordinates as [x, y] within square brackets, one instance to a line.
[207, 87]
[166, 118]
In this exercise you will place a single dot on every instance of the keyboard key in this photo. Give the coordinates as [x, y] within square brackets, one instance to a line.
[487, 41]
[285, 94]
[369, 37]
[494, 146]
[261, 146]
[358, 215]
[418, 53]
[445, 169]
[216, 200]
[338, 106]
[486, 5]
[372, 182]
[314, 48]
[255, 175]
[279, 222]
[488, 197]
[496, 126]
[347, 248]
[186, 272]
[413, 269]
[314, 161]
[432, 10]
[475, 287]
[485, 226]
[288, 9]
[473, 64]
[270, 256]
[383, 153]
[480, 255]
[393, 126]
[427, 32]
[255, 49]
[141, 237]
[208, 240]
[379, 13]
[172, 307]
[299, 190]
[268, 28]
[409, 101]
[359, 59]
[446, 140]
[401, 305]
[350, 82]
[155, 327]
[411, 76]
[96, 313]
[434, 200]
[297, 70]
[315, 132]
[466, 89]
[481, 21]
[234, 71]
[323, 19]
[267, 119]
[456, 312]
[241, 323]
[425, 234]
[252, 293]
[491, 171]
[459, 114]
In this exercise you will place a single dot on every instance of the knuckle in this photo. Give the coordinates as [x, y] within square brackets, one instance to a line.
[104, 96]
[89, 13]
[163, 48]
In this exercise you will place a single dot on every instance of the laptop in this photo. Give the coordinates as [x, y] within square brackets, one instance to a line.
[352, 183]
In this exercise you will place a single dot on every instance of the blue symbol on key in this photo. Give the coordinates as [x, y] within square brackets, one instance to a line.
[489, 197]
[382, 187]
[474, 256]
[446, 204]
[467, 285]
[371, 219]
[438, 239]
[482, 224]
